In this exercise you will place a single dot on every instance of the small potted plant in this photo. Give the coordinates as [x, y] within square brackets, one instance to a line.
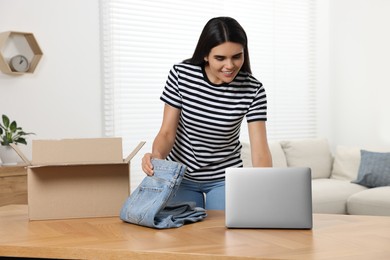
[10, 133]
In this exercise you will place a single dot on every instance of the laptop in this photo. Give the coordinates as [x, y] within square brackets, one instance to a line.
[277, 198]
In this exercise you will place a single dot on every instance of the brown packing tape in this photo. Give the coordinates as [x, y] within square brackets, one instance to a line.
[20, 153]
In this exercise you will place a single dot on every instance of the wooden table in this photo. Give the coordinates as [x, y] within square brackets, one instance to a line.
[333, 237]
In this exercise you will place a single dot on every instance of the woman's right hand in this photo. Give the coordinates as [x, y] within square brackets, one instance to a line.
[147, 165]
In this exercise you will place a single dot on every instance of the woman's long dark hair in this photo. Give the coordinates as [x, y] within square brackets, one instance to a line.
[219, 30]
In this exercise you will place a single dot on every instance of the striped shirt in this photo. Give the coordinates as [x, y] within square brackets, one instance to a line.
[207, 138]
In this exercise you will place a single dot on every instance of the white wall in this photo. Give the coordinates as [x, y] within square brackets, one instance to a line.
[322, 69]
[63, 98]
[359, 72]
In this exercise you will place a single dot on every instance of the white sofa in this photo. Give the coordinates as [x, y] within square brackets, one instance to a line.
[332, 189]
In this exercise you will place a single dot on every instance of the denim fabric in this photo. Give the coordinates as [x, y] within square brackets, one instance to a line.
[208, 195]
[148, 204]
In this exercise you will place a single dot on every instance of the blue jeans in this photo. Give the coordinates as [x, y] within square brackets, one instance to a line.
[149, 205]
[208, 195]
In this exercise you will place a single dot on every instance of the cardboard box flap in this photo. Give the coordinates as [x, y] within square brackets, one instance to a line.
[134, 152]
[20, 153]
[77, 151]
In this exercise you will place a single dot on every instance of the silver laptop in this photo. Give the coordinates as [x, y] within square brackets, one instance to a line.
[277, 198]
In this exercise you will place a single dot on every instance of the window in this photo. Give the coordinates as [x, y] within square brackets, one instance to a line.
[141, 40]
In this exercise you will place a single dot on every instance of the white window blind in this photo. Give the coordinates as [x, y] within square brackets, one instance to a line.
[141, 40]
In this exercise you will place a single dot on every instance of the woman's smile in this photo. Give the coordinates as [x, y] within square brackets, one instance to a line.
[224, 62]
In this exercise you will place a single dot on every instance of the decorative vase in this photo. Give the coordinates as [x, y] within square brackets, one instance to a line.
[9, 156]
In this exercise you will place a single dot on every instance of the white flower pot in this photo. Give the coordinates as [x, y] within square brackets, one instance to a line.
[9, 156]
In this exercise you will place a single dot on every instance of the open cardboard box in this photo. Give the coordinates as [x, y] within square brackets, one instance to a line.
[77, 178]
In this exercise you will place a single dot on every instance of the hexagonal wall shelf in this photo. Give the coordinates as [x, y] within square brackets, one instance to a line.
[14, 43]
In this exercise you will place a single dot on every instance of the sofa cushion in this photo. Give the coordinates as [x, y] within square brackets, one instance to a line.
[374, 169]
[373, 201]
[278, 157]
[330, 195]
[313, 153]
[246, 154]
[346, 163]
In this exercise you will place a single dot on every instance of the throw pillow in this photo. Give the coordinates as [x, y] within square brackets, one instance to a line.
[346, 163]
[278, 157]
[313, 153]
[374, 169]
[246, 154]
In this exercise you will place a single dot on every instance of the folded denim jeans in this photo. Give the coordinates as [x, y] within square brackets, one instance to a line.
[149, 204]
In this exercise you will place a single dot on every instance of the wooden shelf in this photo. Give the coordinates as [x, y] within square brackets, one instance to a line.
[13, 184]
[7, 38]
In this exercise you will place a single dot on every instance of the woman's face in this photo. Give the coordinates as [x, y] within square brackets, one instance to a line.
[224, 62]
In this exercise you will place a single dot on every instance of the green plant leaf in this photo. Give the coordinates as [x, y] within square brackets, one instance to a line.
[11, 133]
[5, 121]
[13, 127]
[21, 141]
[21, 133]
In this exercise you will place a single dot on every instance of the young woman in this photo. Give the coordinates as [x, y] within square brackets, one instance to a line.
[206, 99]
